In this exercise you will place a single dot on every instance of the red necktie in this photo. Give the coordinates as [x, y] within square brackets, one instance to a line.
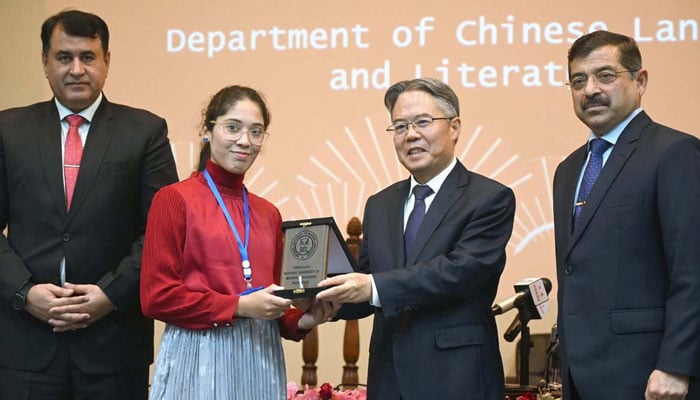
[72, 156]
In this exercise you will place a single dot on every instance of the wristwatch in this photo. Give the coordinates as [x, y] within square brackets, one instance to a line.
[19, 300]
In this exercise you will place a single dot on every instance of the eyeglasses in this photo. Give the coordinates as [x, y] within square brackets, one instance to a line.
[419, 124]
[234, 131]
[602, 78]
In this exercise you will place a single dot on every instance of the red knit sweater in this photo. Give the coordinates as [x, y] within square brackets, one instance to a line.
[191, 270]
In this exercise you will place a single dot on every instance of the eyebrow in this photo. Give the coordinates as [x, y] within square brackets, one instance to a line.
[241, 122]
[597, 70]
[415, 117]
[70, 53]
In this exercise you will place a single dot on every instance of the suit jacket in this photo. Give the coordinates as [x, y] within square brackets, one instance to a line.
[435, 334]
[629, 274]
[126, 159]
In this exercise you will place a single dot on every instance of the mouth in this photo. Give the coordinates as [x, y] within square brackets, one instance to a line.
[594, 106]
[76, 84]
[240, 154]
[414, 151]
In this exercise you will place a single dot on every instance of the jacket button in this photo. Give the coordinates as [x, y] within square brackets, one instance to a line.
[569, 269]
[65, 237]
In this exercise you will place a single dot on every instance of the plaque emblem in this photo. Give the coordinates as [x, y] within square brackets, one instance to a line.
[312, 249]
[304, 245]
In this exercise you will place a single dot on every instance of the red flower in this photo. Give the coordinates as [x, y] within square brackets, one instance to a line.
[326, 392]
[527, 396]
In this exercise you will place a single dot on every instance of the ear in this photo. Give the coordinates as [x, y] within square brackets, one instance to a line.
[641, 81]
[108, 57]
[455, 128]
[206, 136]
[44, 63]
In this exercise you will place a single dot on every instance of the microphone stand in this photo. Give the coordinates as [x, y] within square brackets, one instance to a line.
[524, 316]
[524, 346]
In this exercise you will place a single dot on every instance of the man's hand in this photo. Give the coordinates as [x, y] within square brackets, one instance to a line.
[664, 385]
[42, 297]
[348, 288]
[90, 304]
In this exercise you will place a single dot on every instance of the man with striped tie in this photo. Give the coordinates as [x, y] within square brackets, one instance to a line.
[77, 175]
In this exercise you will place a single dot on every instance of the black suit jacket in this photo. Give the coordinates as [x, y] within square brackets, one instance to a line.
[435, 334]
[126, 159]
[629, 274]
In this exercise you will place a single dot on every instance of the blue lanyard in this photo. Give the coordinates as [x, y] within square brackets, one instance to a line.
[243, 248]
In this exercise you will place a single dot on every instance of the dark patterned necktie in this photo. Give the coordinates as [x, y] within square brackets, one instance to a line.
[420, 192]
[590, 174]
[73, 155]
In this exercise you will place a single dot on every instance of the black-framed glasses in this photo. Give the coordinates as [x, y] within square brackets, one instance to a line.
[234, 130]
[605, 77]
[419, 125]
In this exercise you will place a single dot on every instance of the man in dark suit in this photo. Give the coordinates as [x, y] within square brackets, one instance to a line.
[431, 285]
[69, 266]
[628, 240]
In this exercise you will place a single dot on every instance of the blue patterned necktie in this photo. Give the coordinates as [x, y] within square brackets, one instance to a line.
[420, 192]
[590, 174]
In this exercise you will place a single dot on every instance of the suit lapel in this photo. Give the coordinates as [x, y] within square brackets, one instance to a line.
[99, 136]
[48, 138]
[621, 152]
[568, 192]
[449, 192]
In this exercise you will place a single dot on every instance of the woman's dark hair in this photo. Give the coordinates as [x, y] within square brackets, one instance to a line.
[221, 103]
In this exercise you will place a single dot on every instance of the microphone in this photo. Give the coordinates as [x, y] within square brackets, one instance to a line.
[531, 301]
[513, 330]
[531, 293]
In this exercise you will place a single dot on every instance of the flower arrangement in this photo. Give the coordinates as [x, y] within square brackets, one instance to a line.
[533, 396]
[527, 396]
[325, 392]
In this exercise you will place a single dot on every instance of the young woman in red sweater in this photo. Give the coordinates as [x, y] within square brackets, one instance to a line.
[211, 258]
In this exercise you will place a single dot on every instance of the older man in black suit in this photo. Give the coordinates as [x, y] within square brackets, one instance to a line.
[69, 266]
[432, 253]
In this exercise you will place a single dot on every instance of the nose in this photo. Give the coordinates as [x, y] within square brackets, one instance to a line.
[77, 67]
[244, 140]
[412, 128]
[592, 86]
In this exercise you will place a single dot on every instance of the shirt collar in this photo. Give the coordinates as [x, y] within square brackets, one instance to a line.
[87, 113]
[615, 132]
[436, 182]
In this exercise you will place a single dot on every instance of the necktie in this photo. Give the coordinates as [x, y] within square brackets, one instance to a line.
[420, 192]
[590, 174]
[72, 156]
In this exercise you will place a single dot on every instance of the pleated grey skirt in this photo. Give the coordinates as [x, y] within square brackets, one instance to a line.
[244, 361]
